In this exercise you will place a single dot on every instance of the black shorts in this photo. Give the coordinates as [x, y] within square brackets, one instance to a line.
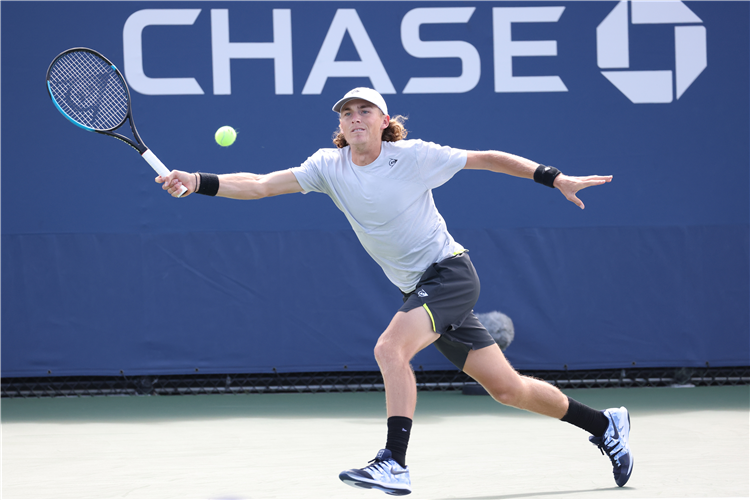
[448, 291]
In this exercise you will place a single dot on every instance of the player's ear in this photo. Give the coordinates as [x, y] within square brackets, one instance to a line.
[386, 122]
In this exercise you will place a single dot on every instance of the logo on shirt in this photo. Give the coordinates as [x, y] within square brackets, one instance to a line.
[422, 293]
[392, 162]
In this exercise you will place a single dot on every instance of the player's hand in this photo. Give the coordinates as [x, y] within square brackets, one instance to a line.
[570, 185]
[175, 180]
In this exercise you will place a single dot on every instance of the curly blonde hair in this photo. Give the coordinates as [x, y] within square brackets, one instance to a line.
[395, 131]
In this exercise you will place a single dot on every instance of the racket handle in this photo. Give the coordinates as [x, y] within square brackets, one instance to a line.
[159, 167]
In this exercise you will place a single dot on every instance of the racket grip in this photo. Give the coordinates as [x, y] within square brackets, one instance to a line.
[159, 167]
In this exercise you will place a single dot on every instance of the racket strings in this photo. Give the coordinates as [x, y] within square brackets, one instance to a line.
[89, 90]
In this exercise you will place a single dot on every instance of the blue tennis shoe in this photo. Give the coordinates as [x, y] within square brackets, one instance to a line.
[383, 474]
[615, 443]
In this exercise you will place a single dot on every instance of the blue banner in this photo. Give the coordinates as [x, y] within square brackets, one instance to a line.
[103, 273]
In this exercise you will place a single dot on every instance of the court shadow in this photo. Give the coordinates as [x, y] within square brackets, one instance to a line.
[541, 494]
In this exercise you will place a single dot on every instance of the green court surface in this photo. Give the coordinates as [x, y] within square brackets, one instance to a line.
[686, 442]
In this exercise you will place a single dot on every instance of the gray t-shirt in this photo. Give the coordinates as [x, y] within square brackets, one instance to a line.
[389, 202]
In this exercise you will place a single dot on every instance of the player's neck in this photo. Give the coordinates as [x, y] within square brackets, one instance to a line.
[364, 154]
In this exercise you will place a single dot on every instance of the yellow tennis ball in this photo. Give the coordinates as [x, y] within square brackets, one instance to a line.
[225, 136]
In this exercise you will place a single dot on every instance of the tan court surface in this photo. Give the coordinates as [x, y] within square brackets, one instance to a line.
[687, 442]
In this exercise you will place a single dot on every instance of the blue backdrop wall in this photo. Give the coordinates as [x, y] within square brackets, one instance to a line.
[103, 273]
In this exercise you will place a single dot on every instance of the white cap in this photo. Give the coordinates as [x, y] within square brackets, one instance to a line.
[364, 93]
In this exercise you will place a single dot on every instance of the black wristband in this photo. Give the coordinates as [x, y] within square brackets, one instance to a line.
[209, 184]
[546, 175]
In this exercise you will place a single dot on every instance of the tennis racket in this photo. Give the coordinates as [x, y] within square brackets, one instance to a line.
[91, 92]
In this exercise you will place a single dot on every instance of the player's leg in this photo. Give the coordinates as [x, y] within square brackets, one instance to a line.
[407, 334]
[489, 367]
[610, 429]
[443, 297]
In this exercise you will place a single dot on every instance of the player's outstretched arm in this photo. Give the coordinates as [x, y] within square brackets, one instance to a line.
[239, 186]
[506, 163]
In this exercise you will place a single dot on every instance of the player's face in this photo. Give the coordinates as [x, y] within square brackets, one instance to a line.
[362, 122]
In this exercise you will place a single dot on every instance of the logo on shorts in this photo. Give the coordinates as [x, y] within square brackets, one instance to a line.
[422, 293]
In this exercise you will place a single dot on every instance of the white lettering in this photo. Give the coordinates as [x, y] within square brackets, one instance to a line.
[132, 45]
[369, 65]
[280, 50]
[505, 49]
[470, 62]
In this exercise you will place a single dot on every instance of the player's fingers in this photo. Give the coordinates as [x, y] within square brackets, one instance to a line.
[569, 191]
[592, 180]
[176, 190]
[595, 180]
[575, 200]
[168, 181]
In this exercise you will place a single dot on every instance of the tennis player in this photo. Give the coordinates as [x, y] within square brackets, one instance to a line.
[383, 183]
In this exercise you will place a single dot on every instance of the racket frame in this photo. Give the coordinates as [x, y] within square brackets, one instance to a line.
[138, 144]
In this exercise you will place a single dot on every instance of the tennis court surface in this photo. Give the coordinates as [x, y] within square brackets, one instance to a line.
[687, 443]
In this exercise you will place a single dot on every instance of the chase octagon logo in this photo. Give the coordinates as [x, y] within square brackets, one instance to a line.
[613, 55]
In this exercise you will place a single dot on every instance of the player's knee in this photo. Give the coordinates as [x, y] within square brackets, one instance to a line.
[388, 353]
[509, 393]
[506, 397]
[384, 353]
